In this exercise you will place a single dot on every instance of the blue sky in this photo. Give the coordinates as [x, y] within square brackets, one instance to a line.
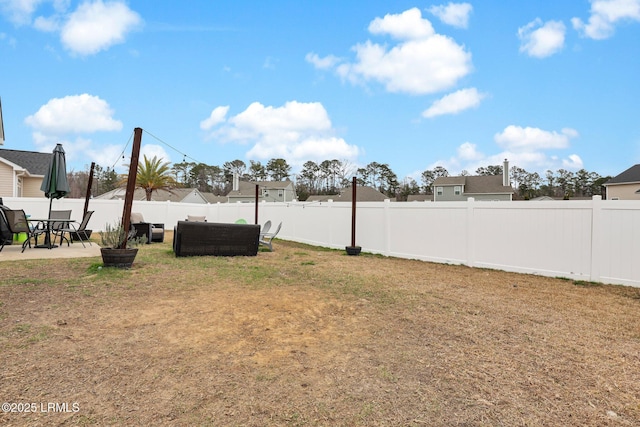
[547, 84]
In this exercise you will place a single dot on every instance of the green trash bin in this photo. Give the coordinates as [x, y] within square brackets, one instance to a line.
[20, 237]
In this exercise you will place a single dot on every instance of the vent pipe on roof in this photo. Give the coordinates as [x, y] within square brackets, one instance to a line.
[505, 173]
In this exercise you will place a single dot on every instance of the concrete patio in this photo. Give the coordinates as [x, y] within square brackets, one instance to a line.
[75, 250]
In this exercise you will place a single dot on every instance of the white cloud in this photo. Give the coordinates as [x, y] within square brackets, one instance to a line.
[78, 149]
[47, 25]
[422, 62]
[529, 139]
[324, 148]
[455, 14]
[94, 26]
[528, 148]
[327, 62]
[469, 152]
[470, 159]
[408, 25]
[454, 103]
[270, 63]
[19, 11]
[573, 162]
[541, 40]
[11, 41]
[216, 117]
[605, 14]
[74, 114]
[296, 131]
[151, 150]
[97, 26]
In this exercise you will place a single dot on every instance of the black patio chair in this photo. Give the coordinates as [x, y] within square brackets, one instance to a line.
[6, 237]
[17, 223]
[77, 233]
[56, 226]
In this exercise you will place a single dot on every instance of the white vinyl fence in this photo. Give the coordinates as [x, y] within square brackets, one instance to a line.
[592, 240]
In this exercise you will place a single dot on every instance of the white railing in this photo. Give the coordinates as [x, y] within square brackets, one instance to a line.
[592, 240]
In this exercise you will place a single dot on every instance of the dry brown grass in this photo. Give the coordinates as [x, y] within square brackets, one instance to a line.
[310, 337]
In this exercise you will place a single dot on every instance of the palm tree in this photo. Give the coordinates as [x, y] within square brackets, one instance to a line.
[153, 175]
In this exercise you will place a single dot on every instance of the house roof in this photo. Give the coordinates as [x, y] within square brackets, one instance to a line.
[363, 194]
[35, 163]
[631, 175]
[420, 197]
[248, 188]
[482, 184]
[449, 180]
[212, 198]
[175, 195]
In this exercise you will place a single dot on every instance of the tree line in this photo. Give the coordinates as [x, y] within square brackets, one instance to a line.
[330, 177]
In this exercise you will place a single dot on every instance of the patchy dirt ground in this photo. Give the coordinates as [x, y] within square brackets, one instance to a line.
[302, 336]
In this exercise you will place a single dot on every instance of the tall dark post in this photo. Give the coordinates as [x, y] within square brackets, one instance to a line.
[89, 185]
[257, 187]
[131, 183]
[353, 211]
[353, 249]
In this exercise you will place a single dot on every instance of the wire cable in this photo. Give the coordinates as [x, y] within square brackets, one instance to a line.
[184, 155]
[122, 154]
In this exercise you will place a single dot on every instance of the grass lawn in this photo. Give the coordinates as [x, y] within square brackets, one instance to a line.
[306, 336]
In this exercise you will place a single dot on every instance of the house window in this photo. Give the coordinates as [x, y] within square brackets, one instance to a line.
[280, 194]
[265, 193]
[457, 190]
[439, 191]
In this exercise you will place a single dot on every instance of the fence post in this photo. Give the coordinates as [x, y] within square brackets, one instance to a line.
[331, 222]
[470, 233]
[387, 227]
[597, 239]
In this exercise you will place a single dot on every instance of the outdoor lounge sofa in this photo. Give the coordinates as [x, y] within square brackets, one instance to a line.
[219, 239]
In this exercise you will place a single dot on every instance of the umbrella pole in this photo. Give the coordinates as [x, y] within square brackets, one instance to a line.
[47, 235]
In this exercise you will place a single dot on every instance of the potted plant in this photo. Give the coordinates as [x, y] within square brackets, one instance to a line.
[113, 237]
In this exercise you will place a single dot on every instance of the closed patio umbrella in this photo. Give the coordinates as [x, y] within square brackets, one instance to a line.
[55, 184]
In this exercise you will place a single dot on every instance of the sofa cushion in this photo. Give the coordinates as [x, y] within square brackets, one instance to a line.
[136, 217]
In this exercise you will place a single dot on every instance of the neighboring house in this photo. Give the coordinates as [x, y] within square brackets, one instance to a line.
[212, 198]
[178, 195]
[22, 172]
[484, 187]
[363, 194]
[269, 191]
[244, 192]
[625, 186]
[543, 199]
[420, 198]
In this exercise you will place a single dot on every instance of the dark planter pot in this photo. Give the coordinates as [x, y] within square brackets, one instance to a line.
[353, 250]
[121, 258]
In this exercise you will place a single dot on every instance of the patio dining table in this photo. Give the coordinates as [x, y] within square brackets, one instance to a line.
[45, 223]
